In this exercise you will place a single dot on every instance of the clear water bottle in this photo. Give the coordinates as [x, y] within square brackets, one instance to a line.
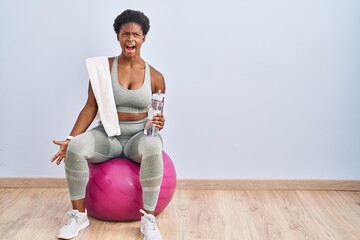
[156, 106]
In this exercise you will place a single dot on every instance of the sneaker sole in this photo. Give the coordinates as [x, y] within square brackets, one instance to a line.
[142, 231]
[82, 226]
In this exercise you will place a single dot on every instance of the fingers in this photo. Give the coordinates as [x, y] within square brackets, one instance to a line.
[61, 143]
[57, 142]
[61, 154]
[159, 121]
[58, 158]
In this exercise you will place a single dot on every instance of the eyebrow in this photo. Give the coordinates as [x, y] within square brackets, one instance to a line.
[130, 32]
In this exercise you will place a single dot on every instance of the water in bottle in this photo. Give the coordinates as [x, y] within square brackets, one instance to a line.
[156, 106]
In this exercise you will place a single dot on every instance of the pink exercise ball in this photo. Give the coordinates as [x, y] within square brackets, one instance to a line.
[114, 193]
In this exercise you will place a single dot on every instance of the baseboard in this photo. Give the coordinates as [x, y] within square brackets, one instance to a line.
[208, 184]
[270, 184]
[33, 183]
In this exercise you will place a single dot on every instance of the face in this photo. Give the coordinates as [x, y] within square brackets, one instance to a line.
[131, 38]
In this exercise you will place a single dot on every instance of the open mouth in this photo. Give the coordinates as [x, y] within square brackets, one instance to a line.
[130, 48]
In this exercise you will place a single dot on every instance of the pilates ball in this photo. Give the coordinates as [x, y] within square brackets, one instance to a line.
[114, 193]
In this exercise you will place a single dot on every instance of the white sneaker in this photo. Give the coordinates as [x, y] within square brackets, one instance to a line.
[76, 222]
[148, 227]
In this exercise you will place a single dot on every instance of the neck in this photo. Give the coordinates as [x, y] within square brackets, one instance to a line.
[131, 62]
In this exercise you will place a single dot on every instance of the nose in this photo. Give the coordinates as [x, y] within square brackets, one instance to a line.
[130, 37]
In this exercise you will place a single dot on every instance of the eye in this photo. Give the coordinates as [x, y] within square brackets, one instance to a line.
[136, 35]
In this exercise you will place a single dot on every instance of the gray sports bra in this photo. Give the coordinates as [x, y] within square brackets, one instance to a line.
[131, 101]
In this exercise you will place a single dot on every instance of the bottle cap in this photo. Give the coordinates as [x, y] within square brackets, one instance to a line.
[158, 96]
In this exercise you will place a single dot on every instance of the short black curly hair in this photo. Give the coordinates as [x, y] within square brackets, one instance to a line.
[132, 16]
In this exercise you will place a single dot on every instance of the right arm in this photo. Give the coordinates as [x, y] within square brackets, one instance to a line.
[85, 118]
[87, 114]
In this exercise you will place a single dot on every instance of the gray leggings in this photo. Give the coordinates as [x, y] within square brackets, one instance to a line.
[95, 146]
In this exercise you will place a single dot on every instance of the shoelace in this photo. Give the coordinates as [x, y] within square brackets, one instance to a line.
[150, 224]
[73, 217]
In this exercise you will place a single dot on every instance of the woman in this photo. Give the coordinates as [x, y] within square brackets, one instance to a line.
[133, 82]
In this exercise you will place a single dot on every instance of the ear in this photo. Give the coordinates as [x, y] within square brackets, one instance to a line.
[144, 37]
[117, 37]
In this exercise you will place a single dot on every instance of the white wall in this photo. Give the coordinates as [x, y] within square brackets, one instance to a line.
[275, 85]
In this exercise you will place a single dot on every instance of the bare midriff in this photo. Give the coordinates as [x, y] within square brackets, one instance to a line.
[131, 116]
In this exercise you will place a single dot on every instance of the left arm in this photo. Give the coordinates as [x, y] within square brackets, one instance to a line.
[158, 83]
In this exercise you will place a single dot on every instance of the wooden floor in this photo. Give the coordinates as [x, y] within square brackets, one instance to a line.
[38, 213]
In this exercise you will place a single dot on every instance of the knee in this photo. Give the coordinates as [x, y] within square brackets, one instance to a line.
[75, 154]
[150, 146]
[75, 145]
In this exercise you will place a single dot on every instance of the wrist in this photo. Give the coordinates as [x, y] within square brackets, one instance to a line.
[69, 138]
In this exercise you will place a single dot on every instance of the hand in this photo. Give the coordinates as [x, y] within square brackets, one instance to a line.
[61, 154]
[158, 121]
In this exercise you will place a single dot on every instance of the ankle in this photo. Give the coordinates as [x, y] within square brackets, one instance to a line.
[150, 212]
[81, 212]
[147, 212]
[79, 205]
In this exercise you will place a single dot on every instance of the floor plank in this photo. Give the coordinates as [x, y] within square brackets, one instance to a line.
[38, 213]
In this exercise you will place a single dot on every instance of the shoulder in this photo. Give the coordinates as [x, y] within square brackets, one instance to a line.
[155, 74]
[111, 60]
[157, 79]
